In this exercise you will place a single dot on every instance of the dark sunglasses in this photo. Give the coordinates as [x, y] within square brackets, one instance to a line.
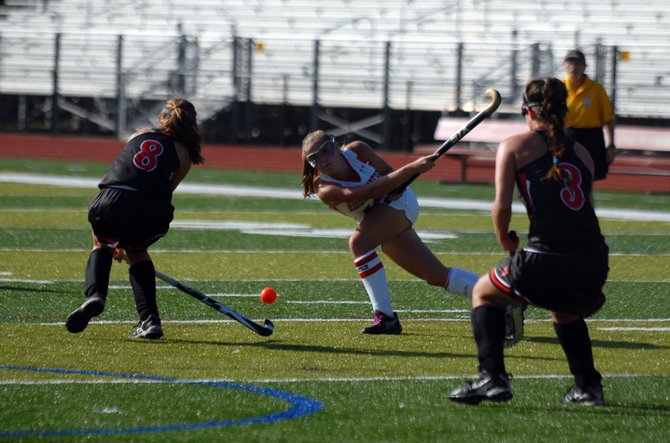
[327, 148]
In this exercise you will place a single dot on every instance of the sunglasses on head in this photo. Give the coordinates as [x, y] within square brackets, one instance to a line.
[328, 147]
[526, 106]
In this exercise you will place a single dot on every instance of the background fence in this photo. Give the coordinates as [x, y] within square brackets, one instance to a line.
[107, 66]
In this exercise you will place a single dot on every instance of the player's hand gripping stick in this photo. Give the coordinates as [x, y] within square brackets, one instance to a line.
[469, 126]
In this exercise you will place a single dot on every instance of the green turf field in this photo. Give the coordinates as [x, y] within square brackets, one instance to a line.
[316, 378]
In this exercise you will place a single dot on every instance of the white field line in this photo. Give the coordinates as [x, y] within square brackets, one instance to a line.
[19, 280]
[626, 328]
[283, 229]
[253, 280]
[225, 320]
[207, 251]
[434, 311]
[67, 381]
[295, 194]
[293, 251]
[326, 302]
[335, 320]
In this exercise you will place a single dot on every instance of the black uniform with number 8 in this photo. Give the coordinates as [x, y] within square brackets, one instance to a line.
[134, 209]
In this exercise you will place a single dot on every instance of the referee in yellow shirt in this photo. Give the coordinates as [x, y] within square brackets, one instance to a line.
[589, 109]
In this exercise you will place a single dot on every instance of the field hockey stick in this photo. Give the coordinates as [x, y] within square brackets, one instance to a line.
[469, 126]
[266, 330]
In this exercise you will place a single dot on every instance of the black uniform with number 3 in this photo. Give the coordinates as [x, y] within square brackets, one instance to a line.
[133, 208]
[564, 241]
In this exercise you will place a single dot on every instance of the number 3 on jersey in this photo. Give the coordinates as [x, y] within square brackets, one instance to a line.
[146, 157]
[572, 194]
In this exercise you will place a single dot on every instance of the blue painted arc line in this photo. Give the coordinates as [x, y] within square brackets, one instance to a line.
[299, 406]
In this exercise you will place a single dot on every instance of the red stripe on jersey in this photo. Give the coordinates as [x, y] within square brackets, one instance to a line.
[522, 185]
[372, 270]
[504, 287]
[498, 283]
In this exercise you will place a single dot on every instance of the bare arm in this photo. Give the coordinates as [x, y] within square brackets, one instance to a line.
[586, 158]
[333, 194]
[184, 166]
[502, 206]
[368, 155]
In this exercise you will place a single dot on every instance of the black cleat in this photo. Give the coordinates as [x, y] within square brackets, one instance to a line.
[383, 324]
[493, 387]
[79, 318]
[149, 328]
[591, 396]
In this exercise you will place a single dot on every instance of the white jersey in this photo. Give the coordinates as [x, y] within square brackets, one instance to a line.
[368, 174]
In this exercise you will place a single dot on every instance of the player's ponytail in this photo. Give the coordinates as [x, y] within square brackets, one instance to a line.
[178, 120]
[552, 95]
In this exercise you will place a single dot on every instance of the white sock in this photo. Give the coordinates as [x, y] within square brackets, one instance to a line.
[461, 281]
[371, 271]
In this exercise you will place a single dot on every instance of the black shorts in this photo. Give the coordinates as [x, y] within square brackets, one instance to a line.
[129, 219]
[567, 284]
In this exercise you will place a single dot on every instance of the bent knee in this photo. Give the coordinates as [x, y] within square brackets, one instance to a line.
[485, 294]
[359, 244]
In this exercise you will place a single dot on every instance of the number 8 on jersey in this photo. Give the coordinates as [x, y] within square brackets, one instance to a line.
[146, 157]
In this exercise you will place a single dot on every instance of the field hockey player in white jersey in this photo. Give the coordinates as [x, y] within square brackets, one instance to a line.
[355, 181]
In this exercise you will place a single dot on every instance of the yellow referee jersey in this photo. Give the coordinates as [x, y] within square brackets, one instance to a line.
[588, 106]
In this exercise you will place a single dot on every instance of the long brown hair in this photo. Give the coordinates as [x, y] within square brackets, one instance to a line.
[551, 95]
[178, 120]
[309, 174]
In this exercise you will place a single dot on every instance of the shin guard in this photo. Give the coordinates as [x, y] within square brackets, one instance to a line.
[576, 343]
[488, 326]
[96, 276]
[143, 281]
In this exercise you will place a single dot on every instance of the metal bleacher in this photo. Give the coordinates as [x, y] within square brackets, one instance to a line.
[424, 37]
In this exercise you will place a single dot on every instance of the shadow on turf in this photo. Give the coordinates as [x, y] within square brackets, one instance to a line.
[642, 409]
[293, 347]
[610, 408]
[601, 343]
[279, 346]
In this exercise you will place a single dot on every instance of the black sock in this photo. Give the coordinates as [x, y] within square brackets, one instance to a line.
[96, 276]
[143, 281]
[576, 343]
[488, 326]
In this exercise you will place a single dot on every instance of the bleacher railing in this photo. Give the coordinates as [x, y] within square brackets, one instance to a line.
[116, 81]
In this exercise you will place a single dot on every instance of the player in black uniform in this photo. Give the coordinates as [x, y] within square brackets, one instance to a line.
[564, 265]
[133, 210]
